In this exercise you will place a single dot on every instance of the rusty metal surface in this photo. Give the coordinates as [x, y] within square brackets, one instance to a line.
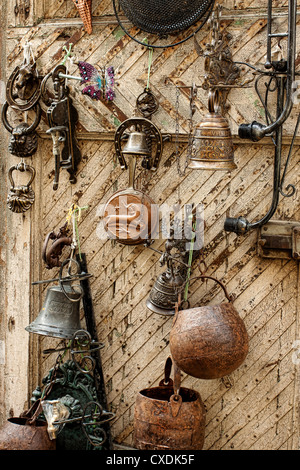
[279, 239]
[16, 434]
[169, 417]
[209, 342]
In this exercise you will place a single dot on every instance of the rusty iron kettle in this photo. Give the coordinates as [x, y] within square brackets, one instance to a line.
[209, 342]
[169, 417]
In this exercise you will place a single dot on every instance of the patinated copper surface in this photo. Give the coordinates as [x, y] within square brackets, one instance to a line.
[131, 217]
[209, 342]
[17, 434]
[167, 420]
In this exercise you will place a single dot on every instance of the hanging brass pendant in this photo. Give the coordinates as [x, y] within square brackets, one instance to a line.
[212, 141]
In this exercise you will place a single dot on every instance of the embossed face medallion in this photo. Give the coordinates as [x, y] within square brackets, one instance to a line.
[131, 217]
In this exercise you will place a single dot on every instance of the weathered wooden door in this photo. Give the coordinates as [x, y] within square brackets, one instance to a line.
[256, 407]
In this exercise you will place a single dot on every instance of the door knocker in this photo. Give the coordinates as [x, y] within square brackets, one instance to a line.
[59, 241]
[23, 89]
[24, 141]
[20, 198]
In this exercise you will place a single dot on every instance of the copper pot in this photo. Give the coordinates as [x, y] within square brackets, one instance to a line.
[169, 417]
[209, 342]
[20, 434]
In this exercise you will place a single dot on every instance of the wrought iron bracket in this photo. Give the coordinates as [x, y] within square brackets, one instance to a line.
[221, 72]
[279, 239]
[280, 77]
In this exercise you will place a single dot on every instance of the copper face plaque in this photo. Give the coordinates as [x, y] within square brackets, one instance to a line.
[131, 217]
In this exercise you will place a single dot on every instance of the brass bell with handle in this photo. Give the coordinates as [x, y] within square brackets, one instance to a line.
[60, 314]
[212, 147]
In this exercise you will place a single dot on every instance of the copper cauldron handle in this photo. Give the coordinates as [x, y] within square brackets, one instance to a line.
[176, 398]
[167, 381]
[229, 297]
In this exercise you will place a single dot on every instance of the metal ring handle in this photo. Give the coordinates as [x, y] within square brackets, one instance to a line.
[228, 296]
[9, 94]
[26, 168]
[68, 279]
[29, 129]
[213, 101]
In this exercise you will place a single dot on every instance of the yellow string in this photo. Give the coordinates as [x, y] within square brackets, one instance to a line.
[76, 212]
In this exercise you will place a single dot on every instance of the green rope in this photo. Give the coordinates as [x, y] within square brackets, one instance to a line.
[150, 49]
[190, 262]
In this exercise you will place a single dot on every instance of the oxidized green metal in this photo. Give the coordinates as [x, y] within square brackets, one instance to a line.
[77, 390]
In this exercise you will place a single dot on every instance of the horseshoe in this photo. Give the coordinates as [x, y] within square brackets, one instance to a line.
[138, 122]
[9, 92]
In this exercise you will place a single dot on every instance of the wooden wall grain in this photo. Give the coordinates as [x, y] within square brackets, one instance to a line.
[257, 406]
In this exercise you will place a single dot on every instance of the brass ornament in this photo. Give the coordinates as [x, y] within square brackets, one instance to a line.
[130, 216]
[141, 125]
[212, 147]
[220, 70]
[147, 103]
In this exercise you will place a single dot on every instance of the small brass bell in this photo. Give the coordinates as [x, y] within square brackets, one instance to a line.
[212, 141]
[60, 314]
[164, 294]
[137, 145]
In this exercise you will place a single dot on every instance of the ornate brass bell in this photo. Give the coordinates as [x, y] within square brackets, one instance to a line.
[164, 293]
[212, 141]
[60, 314]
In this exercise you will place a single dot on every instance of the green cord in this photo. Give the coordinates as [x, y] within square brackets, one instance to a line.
[149, 66]
[150, 49]
[190, 262]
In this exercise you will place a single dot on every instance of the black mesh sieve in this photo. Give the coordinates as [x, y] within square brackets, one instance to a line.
[164, 16]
